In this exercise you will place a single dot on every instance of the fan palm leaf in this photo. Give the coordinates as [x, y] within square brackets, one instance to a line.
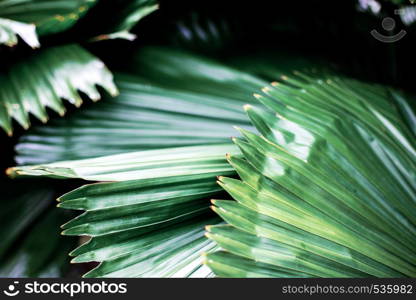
[328, 188]
[46, 77]
[127, 237]
[307, 203]
[178, 182]
[150, 112]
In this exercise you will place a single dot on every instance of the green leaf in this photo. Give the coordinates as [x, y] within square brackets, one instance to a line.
[42, 253]
[225, 264]
[179, 70]
[169, 249]
[142, 117]
[176, 182]
[49, 16]
[31, 245]
[295, 239]
[47, 76]
[29, 18]
[328, 189]
[128, 238]
[309, 203]
[10, 31]
[194, 160]
[275, 253]
[150, 112]
[131, 12]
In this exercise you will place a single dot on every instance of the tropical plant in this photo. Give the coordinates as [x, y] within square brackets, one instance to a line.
[308, 204]
[42, 78]
[258, 165]
[328, 187]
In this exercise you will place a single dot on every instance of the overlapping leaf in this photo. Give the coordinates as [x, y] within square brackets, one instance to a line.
[28, 18]
[225, 264]
[130, 240]
[46, 78]
[127, 236]
[143, 164]
[328, 189]
[150, 113]
[180, 70]
[176, 182]
[130, 13]
[308, 204]
[143, 117]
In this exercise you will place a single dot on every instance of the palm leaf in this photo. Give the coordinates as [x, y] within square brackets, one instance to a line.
[20, 213]
[142, 117]
[30, 18]
[178, 182]
[299, 209]
[225, 264]
[31, 245]
[143, 164]
[143, 244]
[149, 113]
[48, 16]
[131, 12]
[180, 70]
[148, 181]
[127, 237]
[10, 31]
[328, 189]
[47, 76]
[42, 253]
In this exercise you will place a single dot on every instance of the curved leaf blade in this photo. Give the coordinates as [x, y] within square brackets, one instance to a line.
[10, 31]
[45, 78]
[326, 177]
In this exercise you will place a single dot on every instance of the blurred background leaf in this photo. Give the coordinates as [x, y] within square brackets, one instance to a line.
[31, 244]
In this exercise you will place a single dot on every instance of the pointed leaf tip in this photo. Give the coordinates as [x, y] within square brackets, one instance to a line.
[266, 89]
[246, 107]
